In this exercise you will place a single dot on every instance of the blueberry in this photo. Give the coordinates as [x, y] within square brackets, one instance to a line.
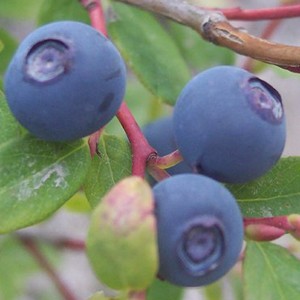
[160, 136]
[229, 124]
[65, 81]
[199, 227]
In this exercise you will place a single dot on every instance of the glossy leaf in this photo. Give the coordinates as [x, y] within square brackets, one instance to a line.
[113, 164]
[121, 243]
[78, 203]
[270, 273]
[37, 178]
[275, 193]
[164, 290]
[9, 127]
[8, 46]
[149, 51]
[52, 10]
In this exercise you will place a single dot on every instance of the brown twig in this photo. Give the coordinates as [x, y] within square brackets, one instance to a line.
[37, 254]
[266, 34]
[214, 26]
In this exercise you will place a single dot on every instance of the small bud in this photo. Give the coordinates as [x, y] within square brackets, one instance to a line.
[294, 220]
[262, 232]
[121, 241]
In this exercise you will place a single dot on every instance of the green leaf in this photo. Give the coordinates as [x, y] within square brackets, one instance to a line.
[121, 243]
[275, 193]
[213, 291]
[270, 273]
[8, 46]
[113, 164]
[53, 10]
[9, 127]
[164, 290]
[37, 178]
[78, 203]
[102, 296]
[19, 9]
[149, 51]
[236, 282]
[199, 53]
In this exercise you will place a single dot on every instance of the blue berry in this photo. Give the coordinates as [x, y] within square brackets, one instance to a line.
[229, 124]
[160, 136]
[65, 81]
[199, 227]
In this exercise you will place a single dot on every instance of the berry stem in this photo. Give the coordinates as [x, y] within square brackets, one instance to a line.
[141, 150]
[93, 142]
[167, 161]
[157, 173]
[37, 254]
[96, 14]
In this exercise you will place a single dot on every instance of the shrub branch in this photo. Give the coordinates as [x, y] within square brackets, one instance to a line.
[215, 27]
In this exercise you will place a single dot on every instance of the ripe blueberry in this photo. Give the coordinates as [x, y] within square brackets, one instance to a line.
[65, 81]
[160, 136]
[200, 229]
[229, 124]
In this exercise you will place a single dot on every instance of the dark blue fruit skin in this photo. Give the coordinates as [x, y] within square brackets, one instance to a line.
[183, 201]
[76, 92]
[160, 136]
[229, 125]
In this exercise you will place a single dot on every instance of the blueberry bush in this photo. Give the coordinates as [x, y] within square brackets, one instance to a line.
[156, 122]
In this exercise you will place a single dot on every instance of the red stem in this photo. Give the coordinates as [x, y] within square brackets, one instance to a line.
[76, 245]
[96, 14]
[141, 150]
[167, 161]
[157, 173]
[93, 142]
[34, 250]
[280, 12]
